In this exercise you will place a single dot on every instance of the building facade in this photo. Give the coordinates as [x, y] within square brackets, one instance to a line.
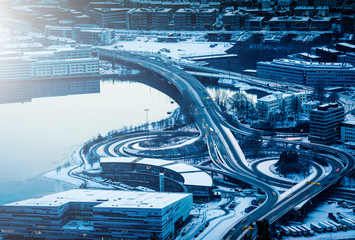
[150, 18]
[347, 131]
[178, 177]
[195, 19]
[325, 123]
[307, 73]
[278, 102]
[109, 17]
[95, 214]
[14, 67]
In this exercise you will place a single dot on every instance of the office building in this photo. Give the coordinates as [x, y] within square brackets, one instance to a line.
[294, 23]
[325, 123]
[150, 18]
[96, 214]
[58, 31]
[327, 54]
[345, 47]
[109, 17]
[94, 36]
[195, 19]
[350, 58]
[178, 177]
[64, 68]
[235, 20]
[320, 23]
[255, 23]
[14, 67]
[347, 131]
[307, 73]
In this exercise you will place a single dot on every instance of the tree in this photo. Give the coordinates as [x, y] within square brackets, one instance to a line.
[333, 97]
[319, 91]
[263, 230]
[296, 107]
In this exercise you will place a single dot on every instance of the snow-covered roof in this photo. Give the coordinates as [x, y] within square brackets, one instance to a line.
[268, 98]
[105, 198]
[350, 122]
[115, 159]
[191, 174]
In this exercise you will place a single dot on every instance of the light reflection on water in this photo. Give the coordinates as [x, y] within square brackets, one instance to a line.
[41, 133]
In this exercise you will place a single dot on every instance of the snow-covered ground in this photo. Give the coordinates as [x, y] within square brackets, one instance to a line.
[219, 221]
[177, 50]
[321, 214]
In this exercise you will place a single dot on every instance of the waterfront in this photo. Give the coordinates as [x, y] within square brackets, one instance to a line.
[39, 135]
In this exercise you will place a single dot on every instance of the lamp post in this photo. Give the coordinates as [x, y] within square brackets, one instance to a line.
[146, 115]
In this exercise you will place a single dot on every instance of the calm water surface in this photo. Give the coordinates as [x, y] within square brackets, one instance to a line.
[45, 122]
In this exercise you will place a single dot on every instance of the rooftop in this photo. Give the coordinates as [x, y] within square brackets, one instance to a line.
[350, 122]
[105, 198]
[191, 174]
[305, 64]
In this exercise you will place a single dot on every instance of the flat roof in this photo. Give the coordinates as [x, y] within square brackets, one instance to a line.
[198, 178]
[105, 199]
[350, 122]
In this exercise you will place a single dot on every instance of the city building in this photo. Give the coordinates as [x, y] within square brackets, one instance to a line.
[16, 26]
[87, 35]
[64, 68]
[319, 23]
[94, 36]
[255, 23]
[307, 73]
[350, 58]
[14, 67]
[347, 131]
[195, 19]
[109, 17]
[325, 123]
[96, 214]
[58, 31]
[294, 23]
[150, 18]
[178, 177]
[278, 102]
[327, 54]
[307, 107]
[345, 47]
[235, 20]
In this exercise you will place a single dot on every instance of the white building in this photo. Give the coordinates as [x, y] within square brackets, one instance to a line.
[14, 67]
[65, 67]
[347, 131]
[307, 107]
[277, 102]
[96, 214]
[307, 73]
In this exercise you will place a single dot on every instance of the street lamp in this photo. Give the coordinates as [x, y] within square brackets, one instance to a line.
[146, 114]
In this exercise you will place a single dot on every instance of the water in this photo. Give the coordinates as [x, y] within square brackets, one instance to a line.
[45, 121]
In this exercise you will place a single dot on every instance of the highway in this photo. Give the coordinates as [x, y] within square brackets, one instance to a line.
[225, 151]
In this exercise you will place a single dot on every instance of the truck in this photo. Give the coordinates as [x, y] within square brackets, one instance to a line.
[316, 228]
[325, 226]
[303, 231]
[337, 225]
[310, 232]
[348, 223]
[285, 231]
[298, 231]
[293, 232]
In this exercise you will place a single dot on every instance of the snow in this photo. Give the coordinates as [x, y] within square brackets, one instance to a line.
[299, 185]
[222, 224]
[178, 50]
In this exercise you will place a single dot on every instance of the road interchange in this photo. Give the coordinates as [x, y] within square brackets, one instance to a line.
[225, 151]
